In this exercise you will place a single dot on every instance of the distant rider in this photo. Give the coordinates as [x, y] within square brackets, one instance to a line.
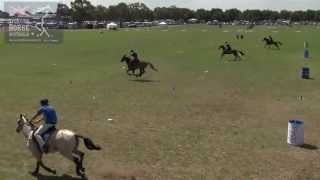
[50, 119]
[228, 47]
[135, 58]
[270, 38]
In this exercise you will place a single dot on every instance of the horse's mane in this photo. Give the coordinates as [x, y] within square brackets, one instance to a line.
[222, 46]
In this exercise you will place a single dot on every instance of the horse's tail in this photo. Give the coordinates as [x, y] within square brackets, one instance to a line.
[242, 53]
[280, 43]
[89, 143]
[152, 67]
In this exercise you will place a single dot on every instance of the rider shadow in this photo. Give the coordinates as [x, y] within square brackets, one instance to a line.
[62, 177]
[145, 81]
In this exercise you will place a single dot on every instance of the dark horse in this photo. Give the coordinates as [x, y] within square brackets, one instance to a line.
[134, 66]
[236, 53]
[269, 43]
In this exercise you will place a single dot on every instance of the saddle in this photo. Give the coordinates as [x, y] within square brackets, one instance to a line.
[229, 51]
[135, 63]
[45, 136]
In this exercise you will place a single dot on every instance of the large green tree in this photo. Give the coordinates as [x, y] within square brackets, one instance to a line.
[203, 14]
[232, 15]
[82, 10]
[217, 14]
[140, 11]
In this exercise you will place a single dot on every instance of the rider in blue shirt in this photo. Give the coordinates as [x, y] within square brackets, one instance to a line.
[50, 120]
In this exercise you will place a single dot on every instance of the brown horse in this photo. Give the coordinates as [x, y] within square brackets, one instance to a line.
[269, 43]
[134, 66]
[236, 53]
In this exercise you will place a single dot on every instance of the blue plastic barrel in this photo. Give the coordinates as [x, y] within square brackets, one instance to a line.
[305, 73]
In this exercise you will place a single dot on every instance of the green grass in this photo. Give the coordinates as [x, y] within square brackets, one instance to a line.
[229, 123]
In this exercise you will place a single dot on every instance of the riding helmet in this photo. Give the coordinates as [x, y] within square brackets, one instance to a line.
[44, 102]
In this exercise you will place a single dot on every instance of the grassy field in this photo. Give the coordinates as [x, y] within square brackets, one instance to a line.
[197, 118]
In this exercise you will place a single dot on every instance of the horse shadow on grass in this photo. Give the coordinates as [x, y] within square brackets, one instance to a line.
[309, 147]
[62, 177]
[145, 81]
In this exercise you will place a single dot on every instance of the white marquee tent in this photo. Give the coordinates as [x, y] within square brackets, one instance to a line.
[112, 26]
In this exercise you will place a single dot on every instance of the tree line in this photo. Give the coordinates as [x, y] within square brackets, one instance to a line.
[83, 10]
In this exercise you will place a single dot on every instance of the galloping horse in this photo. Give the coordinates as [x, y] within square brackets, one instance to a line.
[236, 53]
[63, 141]
[269, 43]
[133, 67]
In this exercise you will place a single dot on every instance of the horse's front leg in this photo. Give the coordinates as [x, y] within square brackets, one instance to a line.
[222, 55]
[52, 171]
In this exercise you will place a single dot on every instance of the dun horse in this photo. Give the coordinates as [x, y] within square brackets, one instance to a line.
[65, 142]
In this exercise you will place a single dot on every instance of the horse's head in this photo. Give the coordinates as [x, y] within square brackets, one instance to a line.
[125, 58]
[21, 122]
[222, 47]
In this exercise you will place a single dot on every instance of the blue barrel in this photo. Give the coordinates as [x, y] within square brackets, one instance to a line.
[305, 73]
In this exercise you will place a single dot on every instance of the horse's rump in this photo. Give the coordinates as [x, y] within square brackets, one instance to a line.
[62, 139]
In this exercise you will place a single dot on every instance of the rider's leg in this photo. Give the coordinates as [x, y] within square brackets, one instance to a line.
[38, 137]
[46, 145]
[43, 128]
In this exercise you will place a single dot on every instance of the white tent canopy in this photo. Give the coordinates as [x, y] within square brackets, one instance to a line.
[163, 24]
[112, 26]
